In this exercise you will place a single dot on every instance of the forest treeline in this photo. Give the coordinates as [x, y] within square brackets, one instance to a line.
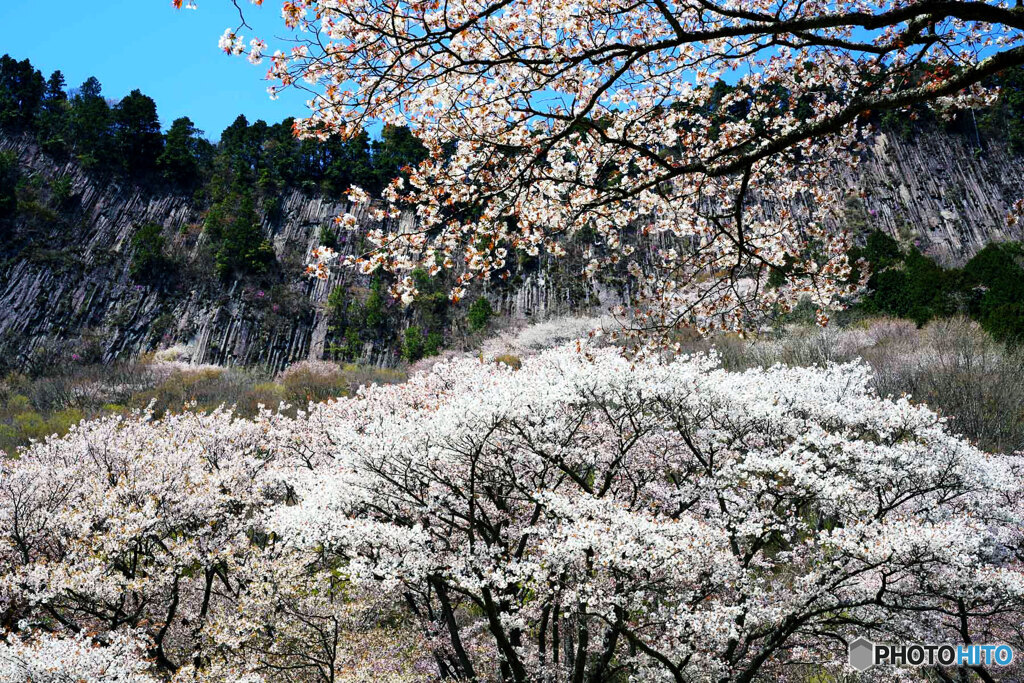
[125, 137]
[238, 180]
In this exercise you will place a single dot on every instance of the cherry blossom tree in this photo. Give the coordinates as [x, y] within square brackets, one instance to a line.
[141, 542]
[131, 523]
[586, 518]
[694, 131]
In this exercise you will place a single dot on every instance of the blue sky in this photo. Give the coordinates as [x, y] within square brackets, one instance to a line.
[170, 55]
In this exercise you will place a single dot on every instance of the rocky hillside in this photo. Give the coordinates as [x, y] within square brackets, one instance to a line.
[948, 193]
[68, 286]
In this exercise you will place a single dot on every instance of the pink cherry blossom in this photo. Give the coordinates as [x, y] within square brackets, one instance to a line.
[548, 119]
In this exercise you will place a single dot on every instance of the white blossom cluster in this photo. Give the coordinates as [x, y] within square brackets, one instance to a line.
[546, 120]
[49, 659]
[586, 516]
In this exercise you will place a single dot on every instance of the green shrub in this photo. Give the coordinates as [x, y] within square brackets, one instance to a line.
[996, 266]
[31, 425]
[907, 284]
[889, 294]
[34, 407]
[413, 345]
[1005, 322]
[239, 255]
[362, 375]
[161, 326]
[314, 381]
[337, 302]
[929, 288]
[63, 420]
[882, 251]
[235, 229]
[37, 211]
[996, 280]
[8, 185]
[353, 348]
[432, 346]
[9, 439]
[149, 263]
[272, 207]
[479, 315]
[329, 237]
[18, 404]
[373, 310]
[266, 394]
[61, 190]
[431, 303]
[206, 387]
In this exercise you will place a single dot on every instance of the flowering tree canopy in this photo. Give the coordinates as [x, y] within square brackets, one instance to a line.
[145, 539]
[582, 518]
[703, 126]
[50, 659]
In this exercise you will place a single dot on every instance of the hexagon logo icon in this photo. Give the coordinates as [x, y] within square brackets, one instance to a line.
[862, 654]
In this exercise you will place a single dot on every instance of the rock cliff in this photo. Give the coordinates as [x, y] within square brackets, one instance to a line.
[949, 193]
[65, 274]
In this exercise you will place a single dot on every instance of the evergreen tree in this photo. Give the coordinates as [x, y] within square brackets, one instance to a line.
[55, 87]
[997, 280]
[53, 119]
[8, 186]
[412, 347]
[90, 89]
[137, 138]
[480, 314]
[1011, 102]
[149, 264]
[280, 164]
[242, 248]
[126, 138]
[239, 154]
[396, 149]
[312, 159]
[350, 164]
[233, 139]
[21, 93]
[91, 125]
[184, 152]
[373, 310]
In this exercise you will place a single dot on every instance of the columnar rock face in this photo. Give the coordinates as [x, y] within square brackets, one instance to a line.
[72, 278]
[65, 269]
[947, 193]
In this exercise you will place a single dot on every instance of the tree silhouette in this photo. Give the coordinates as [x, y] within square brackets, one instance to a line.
[137, 138]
